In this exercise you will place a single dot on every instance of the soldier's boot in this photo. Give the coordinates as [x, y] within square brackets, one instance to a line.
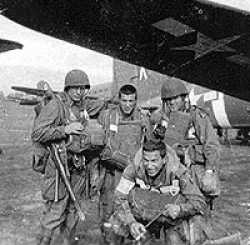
[66, 241]
[68, 235]
[44, 237]
[106, 233]
[45, 241]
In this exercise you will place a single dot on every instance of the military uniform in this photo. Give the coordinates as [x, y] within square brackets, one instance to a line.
[124, 138]
[49, 128]
[192, 135]
[190, 132]
[192, 204]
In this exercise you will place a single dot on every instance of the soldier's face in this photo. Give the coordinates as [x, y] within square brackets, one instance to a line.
[127, 103]
[176, 103]
[152, 162]
[76, 93]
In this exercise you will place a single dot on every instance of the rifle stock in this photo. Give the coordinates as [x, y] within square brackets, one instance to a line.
[60, 167]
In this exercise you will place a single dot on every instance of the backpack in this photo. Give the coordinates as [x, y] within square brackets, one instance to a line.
[41, 152]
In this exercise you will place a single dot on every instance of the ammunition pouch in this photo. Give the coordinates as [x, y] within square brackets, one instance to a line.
[40, 157]
[89, 140]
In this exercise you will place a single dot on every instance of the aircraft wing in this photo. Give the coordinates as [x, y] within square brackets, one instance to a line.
[7, 45]
[201, 41]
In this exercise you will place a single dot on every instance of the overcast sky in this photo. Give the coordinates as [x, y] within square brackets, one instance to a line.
[243, 5]
[46, 58]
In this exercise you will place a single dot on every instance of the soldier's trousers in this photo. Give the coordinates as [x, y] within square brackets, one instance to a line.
[61, 216]
[197, 172]
[111, 180]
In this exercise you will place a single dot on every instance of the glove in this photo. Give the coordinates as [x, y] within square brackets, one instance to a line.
[137, 230]
[74, 128]
[172, 211]
[159, 131]
[210, 183]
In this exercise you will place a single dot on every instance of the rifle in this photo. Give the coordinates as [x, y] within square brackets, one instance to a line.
[41, 92]
[62, 172]
[234, 239]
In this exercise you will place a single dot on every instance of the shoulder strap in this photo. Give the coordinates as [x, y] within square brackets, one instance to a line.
[173, 160]
[62, 109]
[112, 121]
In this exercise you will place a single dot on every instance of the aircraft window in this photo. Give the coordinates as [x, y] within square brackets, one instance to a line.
[6, 45]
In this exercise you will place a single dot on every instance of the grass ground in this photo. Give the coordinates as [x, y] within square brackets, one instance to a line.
[21, 204]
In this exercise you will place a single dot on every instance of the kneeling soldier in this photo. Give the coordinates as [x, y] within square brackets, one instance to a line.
[156, 193]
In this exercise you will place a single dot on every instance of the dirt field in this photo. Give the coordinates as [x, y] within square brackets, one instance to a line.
[21, 203]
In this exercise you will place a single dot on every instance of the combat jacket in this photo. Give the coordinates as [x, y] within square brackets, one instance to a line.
[191, 128]
[135, 174]
[49, 127]
[50, 123]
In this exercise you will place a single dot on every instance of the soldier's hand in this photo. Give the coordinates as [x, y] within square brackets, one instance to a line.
[172, 211]
[74, 128]
[159, 131]
[137, 230]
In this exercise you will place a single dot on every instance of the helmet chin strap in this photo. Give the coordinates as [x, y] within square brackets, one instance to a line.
[86, 92]
[165, 108]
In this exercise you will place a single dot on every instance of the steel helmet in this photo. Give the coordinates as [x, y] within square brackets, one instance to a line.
[76, 78]
[173, 87]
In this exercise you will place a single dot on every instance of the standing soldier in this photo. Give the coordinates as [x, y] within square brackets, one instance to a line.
[125, 126]
[63, 122]
[189, 130]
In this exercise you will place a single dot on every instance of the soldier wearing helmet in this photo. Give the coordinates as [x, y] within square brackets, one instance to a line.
[189, 131]
[64, 121]
[173, 95]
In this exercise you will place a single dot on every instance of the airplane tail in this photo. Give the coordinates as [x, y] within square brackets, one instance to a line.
[147, 82]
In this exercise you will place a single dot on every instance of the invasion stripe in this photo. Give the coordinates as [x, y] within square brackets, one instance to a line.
[220, 112]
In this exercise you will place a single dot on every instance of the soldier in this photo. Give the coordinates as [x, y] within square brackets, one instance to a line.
[125, 127]
[190, 132]
[155, 192]
[63, 121]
